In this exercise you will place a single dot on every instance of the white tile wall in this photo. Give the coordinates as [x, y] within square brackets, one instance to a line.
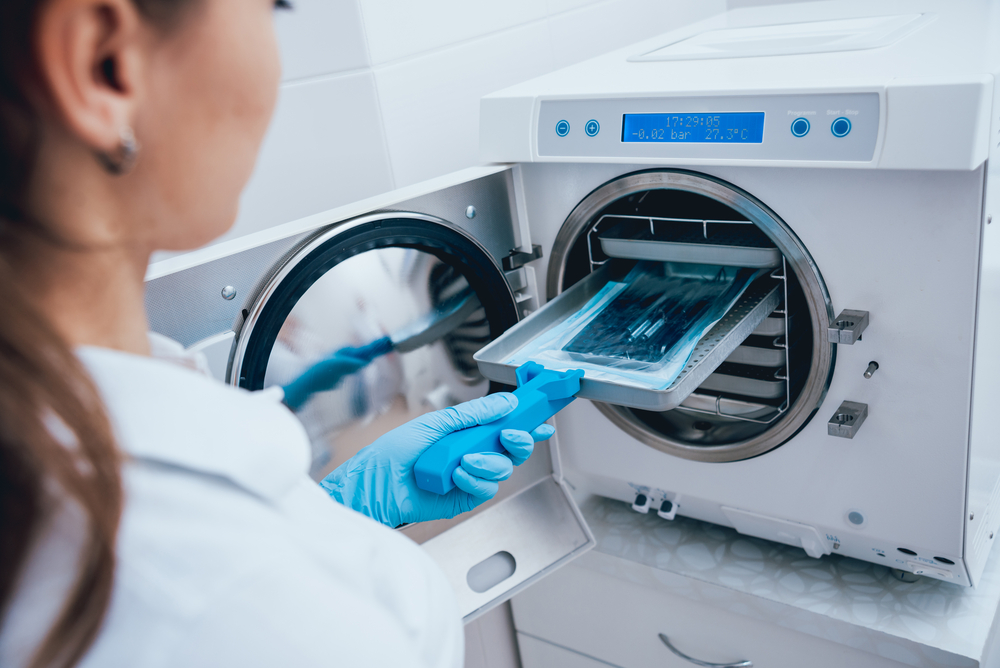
[325, 148]
[558, 6]
[430, 104]
[321, 37]
[740, 4]
[402, 28]
[380, 94]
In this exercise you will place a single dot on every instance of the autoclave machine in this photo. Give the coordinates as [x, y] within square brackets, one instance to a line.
[852, 142]
[844, 149]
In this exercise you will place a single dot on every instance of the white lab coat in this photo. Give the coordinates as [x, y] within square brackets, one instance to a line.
[228, 554]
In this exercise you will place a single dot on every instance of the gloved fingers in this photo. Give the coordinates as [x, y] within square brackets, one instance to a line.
[479, 489]
[488, 465]
[471, 413]
[543, 433]
[518, 444]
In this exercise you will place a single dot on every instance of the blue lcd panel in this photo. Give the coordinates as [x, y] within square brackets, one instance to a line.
[720, 128]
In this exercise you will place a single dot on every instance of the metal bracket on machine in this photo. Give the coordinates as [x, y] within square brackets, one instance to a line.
[846, 422]
[848, 327]
[518, 259]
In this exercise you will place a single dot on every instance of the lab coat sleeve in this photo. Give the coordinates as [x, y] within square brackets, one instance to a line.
[292, 614]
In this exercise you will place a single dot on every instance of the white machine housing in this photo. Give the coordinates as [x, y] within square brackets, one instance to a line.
[895, 216]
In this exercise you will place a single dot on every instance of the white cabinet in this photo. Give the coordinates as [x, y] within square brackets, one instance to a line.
[721, 597]
[603, 617]
[535, 652]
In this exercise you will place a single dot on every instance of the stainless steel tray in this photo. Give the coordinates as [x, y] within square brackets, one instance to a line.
[728, 407]
[759, 383]
[738, 246]
[773, 325]
[759, 356]
[760, 299]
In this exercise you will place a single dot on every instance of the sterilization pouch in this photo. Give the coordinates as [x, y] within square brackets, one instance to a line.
[641, 331]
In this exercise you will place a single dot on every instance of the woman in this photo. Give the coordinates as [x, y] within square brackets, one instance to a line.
[150, 515]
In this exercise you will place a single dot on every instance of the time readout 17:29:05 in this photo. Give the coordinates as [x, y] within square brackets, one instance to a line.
[721, 128]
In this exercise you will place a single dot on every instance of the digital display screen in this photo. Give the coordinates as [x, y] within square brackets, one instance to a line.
[720, 128]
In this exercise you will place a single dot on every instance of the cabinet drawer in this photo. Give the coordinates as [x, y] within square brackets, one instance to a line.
[537, 653]
[619, 622]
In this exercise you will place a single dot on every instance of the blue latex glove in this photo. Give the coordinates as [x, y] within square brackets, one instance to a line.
[328, 372]
[379, 480]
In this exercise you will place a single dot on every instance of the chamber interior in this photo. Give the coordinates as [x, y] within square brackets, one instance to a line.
[752, 392]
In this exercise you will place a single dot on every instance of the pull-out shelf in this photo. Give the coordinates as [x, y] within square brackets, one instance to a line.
[753, 353]
[757, 302]
[773, 325]
[727, 243]
[747, 380]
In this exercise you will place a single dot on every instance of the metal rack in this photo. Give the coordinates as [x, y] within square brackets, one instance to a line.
[765, 413]
[706, 402]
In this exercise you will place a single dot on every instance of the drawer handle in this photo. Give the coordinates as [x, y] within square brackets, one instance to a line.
[739, 664]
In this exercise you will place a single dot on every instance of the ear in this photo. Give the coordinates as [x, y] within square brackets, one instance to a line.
[90, 55]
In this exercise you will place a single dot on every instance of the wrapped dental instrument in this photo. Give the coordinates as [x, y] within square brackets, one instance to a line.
[642, 330]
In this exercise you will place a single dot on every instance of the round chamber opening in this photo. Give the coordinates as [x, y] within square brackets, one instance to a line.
[354, 284]
[769, 388]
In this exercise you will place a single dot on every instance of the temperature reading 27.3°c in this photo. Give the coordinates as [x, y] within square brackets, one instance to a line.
[718, 128]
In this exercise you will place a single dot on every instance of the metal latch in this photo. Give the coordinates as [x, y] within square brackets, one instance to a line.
[518, 259]
[847, 420]
[848, 327]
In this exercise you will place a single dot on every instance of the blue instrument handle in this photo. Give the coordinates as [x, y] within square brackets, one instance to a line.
[541, 393]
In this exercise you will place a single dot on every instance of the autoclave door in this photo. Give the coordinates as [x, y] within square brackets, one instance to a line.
[264, 314]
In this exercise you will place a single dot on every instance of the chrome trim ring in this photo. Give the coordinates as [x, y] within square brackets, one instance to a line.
[798, 258]
[320, 240]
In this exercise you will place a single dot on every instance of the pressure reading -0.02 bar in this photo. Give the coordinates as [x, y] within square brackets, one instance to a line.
[717, 128]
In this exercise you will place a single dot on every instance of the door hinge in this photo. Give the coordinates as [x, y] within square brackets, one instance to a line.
[518, 259]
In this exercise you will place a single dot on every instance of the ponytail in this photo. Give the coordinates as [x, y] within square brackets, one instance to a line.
[56, 447]
[56, 443]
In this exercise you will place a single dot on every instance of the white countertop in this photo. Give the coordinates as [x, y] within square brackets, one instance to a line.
[926, 623]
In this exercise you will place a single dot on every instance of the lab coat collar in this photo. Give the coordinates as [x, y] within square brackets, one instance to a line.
[166, 410]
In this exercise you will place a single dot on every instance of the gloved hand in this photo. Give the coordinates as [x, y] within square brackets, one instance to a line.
[327, 373]
[379, 480]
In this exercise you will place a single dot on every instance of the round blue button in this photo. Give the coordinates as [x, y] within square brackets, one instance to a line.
[592, 128]
[562, 128]
[841, 127]
[800, 127]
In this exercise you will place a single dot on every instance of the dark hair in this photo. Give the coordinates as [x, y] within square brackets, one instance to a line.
[56, 443]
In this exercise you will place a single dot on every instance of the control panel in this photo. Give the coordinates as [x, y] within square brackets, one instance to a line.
[841, 127]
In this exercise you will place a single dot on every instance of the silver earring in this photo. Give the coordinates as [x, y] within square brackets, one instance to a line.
[125, 157]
